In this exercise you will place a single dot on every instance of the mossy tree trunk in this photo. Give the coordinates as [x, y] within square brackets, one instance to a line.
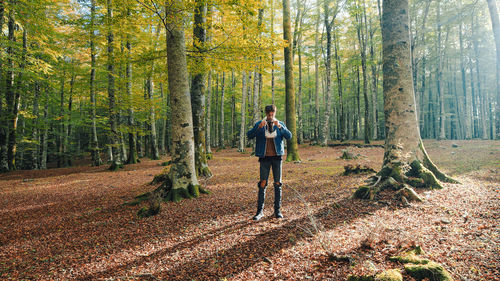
[406, 162]
[292, 153]
[198, 90]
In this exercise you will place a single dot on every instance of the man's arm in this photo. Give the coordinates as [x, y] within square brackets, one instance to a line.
[285, 132]
[253, 132]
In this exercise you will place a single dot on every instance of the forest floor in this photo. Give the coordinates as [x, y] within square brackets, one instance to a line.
[71, 223]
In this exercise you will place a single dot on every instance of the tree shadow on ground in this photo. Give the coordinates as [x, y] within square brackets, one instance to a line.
[229, 262]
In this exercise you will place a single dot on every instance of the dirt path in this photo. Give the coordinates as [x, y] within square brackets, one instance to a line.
[71, 224]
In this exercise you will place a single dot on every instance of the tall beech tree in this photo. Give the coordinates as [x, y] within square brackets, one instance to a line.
[181, 180]
[292, 153]
[406, 162]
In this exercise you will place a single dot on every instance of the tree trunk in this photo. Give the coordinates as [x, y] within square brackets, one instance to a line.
[300, 129]
[35, 134]
[113, 111]
[67, 136]
[374, 119]
[10, 93]
[45, 136]
[94, 144]
[132, 138]
[154, 152]
[181, 181]
[198, 90]
[439, 74]
[495, 23]
[466, 94]
[361, 31]
[4, 166]
[338, 70]
[316, 73]
[216, 111]
[241, 147]
[221, 121]
[292, 153]
[328, 69]
[233, 109]
[405, 159]
[208, 115]
[272, 54]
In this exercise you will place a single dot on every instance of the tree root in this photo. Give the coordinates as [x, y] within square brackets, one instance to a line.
[166, 193]
[204, 172]
[401, 178]
[433, 168]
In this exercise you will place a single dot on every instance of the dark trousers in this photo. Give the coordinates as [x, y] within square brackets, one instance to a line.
[266, 164]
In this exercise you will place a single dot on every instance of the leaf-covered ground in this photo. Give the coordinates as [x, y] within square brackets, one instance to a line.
[71, 223]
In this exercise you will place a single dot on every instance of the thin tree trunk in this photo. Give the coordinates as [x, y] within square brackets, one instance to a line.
[300, 128]
[495, 23]
[316, 74]
[221, 122]
[45, 136]
[198, 89]
[361, 31]
[10, 93]
[60, 138]
[94, 144]
[328, 67]
[208, 114]
[241, 147]
[67, 136]
[113, 114]
[466, 94]
[233, 109]
[35, 134]
[439, 71]
[338, 70]
[132, 138]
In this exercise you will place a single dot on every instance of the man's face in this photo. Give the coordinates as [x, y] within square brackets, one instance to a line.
[270, 115]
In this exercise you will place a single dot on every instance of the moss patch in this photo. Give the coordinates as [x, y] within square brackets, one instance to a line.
[411, 256]
[431, 271]
[389, 275]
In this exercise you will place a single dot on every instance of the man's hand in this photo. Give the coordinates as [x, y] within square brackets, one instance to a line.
[262, 124]
[277, 124]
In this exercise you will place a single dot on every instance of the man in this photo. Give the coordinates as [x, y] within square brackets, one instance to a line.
[269, 148]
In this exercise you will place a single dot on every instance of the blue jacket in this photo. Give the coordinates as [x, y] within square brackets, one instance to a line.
[260, 144]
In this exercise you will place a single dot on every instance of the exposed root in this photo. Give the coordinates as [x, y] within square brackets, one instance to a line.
[166, 193]
[402, 177]
[433, 168]
[204, 172]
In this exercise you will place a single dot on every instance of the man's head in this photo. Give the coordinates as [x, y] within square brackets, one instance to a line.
[270, 111]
